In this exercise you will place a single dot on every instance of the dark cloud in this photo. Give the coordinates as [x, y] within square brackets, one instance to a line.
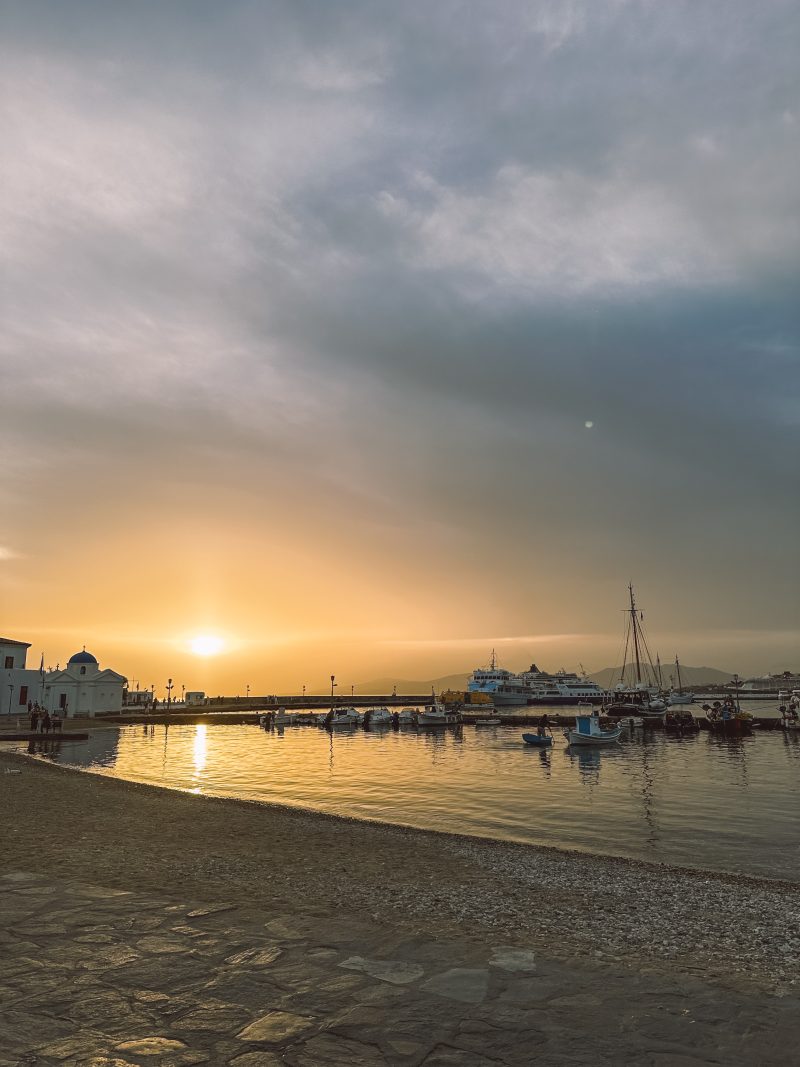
[394, 257]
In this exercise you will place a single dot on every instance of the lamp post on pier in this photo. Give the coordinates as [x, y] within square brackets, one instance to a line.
[170, 687]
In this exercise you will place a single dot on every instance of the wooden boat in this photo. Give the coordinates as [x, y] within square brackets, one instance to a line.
[538, 740]
[588, 731]
[436, 714]
[728, 719]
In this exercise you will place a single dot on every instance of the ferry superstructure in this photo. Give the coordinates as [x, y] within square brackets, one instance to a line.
[533, 686]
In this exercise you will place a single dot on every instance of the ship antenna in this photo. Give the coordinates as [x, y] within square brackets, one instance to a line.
[493, 664]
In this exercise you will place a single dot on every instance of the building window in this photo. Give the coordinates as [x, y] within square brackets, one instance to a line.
[23, 694]
[9, 663]
[83, 670]
[62, 701]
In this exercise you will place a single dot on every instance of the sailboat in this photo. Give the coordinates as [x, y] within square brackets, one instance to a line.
[679, 696]
[641, 695]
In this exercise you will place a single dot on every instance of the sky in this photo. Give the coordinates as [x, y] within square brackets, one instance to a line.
[367, 337]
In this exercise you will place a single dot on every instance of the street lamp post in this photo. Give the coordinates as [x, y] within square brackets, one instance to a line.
[183, 690]
[248, 692]
[170, 687]
[333, 685]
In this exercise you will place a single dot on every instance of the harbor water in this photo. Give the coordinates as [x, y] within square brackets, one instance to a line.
[728, 804]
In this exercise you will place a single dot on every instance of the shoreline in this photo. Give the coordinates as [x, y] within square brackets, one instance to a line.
[738, 929]
[704, 873]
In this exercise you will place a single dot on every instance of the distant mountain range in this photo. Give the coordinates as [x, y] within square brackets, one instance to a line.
[406, 686]
[689, 675]
[606, 677]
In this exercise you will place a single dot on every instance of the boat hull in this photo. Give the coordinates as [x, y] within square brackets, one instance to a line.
[537, 740]
[606, 737]
[438, 720]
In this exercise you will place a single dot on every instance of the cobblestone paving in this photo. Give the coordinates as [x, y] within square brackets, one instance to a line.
[104, 978]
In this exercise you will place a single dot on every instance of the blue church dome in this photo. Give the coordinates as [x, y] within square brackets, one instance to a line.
[82, 657]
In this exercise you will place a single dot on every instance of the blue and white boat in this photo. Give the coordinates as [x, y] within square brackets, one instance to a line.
[588, 731]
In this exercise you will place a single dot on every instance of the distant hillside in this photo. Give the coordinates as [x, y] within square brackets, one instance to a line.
[607, 677]
[689, 675]
[410, 687]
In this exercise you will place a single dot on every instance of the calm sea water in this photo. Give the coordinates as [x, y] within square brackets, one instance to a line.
[724, 804]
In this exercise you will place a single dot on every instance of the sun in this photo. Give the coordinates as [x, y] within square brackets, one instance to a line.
[206, 645]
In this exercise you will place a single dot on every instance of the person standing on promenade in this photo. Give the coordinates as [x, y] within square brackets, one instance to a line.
[45, 721]
[35, 719]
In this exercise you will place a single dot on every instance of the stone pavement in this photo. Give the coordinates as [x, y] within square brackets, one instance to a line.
[100, 977]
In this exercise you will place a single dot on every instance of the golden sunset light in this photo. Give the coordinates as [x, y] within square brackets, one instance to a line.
[207, 645]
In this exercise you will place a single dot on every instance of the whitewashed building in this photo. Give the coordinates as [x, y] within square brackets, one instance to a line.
[81, 688]
[18, 684]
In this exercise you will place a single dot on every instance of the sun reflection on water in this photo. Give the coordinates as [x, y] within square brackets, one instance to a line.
[200, 753]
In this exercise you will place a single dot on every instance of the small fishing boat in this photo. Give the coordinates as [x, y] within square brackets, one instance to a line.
[341, 718]
[377, 717]
[588, 731]
[538, 740]
[437, 714]
[407, 717]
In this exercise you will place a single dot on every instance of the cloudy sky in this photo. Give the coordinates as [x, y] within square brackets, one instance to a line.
[369, 335]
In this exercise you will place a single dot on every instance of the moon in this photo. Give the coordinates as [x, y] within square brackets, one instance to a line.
[588, 425]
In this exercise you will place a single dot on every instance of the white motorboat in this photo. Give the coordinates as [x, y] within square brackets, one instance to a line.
[341, 719]
[437, 714]
[407, 717]
[588, 731]
[377, 717]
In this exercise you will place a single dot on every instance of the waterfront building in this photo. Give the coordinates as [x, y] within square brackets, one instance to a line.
[18, 683]
[81, 688]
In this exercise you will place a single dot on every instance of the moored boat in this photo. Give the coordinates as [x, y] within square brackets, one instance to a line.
[341, 718]
[377, 717]
[588, 731]
[407, 717]
[437, 714]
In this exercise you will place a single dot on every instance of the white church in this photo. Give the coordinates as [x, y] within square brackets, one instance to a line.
[81, 688]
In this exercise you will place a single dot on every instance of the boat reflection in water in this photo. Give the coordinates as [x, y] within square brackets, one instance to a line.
[651, 796]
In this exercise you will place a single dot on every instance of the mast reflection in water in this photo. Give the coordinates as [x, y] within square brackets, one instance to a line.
[726, 804]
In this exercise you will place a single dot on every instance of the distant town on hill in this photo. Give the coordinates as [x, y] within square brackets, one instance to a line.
[606, 677]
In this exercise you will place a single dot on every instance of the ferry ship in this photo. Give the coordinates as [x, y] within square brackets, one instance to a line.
[533, 686]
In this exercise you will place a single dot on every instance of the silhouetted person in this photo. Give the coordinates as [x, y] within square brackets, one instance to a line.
[34, 720]
[45, 721]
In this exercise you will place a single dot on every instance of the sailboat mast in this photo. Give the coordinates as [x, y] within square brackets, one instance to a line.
[678, 669]
[635, 628]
